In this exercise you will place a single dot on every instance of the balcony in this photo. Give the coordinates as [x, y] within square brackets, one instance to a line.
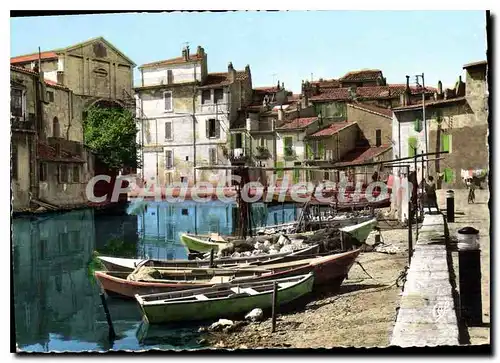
[322, 155]
[263, 153]
[240, 156]
[21, 123]
[289, 153]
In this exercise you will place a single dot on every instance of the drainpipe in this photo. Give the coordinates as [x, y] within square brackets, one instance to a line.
[194, 135]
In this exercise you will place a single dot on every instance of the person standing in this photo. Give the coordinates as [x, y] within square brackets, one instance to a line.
[430, 191]
[472, 191]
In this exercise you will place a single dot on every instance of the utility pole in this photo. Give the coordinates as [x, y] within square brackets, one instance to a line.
[418, 76]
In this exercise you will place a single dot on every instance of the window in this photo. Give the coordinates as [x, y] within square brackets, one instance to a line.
[167, 96]
[17, 102]
[206, 96]
[287, 144]
[63, 173]
[168, 130]
[14, 162]
[213, 156]
[238, 141]
[170, 232]
[43, 171]
[326, 176]
[218, 95]
[56, 131]
[76, 174]
[185, 212]
[418, 125]
[169, 159]
[50, 96]
[187, 158]
[213, 128]
[378, 137]
[263, 142]
[170, 77]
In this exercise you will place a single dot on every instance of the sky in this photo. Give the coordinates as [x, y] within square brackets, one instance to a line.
[285, 46]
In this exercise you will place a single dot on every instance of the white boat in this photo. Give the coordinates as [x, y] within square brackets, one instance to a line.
[360, 231]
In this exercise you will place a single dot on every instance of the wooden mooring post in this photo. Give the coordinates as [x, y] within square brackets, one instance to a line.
[275, 306]
[112, 334]
[211, 258]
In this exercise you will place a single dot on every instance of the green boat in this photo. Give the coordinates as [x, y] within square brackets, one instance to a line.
[200, 243]
[221, 301]
[205, 243]
[360, 231]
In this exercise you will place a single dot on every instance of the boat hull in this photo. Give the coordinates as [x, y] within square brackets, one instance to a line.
[199, 245]
[328, 270]
[128, 265]
[362, 231]
[224, 307]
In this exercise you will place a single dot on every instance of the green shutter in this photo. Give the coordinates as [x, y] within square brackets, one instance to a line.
[321, 149]
[445, 142]
[448, 175]
[412, 145]
[296, 175]
[418, 125]
[279, 165]
[308, 151]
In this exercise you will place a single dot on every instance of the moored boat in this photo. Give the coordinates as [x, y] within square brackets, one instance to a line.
[130, 264]
[360, 231]
[330, 270]
[221, 301]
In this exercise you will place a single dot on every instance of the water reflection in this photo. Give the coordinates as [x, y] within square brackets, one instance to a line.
[56, 300]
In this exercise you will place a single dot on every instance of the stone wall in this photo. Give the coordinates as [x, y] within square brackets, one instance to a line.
[369, 122]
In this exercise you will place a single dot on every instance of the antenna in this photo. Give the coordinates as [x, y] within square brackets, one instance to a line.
[186, 44]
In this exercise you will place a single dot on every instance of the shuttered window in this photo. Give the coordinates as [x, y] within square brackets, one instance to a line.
[218, 95]
[167, 96]
[446, 142]
[418, 125]
[168, 130]
[206, 96]
[169, 159]
[287, 146]
[279, 171]
[76, 174]
[213, 156]
[321, 149]
[378, 137]
[213, 128]
[43, 171]
[14, 162]
[63, 173]
[449, 175]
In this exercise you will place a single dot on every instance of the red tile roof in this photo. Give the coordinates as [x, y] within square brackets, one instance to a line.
[32, 57]
[298, 123]
[372, 108]
[332, 129]
[429, 104]
[266, 89]
[48, 153]
[220, 79]
[47, 81]
[326, 83]
[55, 84]
[368, 92]
[362, 155]
[362, 75]
[178, 60]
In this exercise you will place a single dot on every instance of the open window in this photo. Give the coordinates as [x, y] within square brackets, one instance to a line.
[169, 159]
[17, 103]
[213, 128]
[206, 96]
[218, 95]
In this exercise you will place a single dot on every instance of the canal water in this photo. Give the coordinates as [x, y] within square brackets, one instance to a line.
[56, 299]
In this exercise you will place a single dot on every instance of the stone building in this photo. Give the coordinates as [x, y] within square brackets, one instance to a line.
[184, 117]
[50, 93]
[95, 70]
[456, 121]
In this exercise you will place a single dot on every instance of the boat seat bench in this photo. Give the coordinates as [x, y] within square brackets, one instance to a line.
[201, 297]
[250, 291]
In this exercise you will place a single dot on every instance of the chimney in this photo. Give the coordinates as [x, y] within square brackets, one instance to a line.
[231, 72]
[60, 77]
[187, 53]
[280, 113]
[200, 51]
[184, 54]
[407, 83]
[440, 88]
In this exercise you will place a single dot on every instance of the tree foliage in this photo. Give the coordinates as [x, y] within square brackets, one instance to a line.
[111, 134]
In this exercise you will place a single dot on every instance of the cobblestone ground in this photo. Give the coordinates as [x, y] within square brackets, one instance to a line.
[476, 215]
